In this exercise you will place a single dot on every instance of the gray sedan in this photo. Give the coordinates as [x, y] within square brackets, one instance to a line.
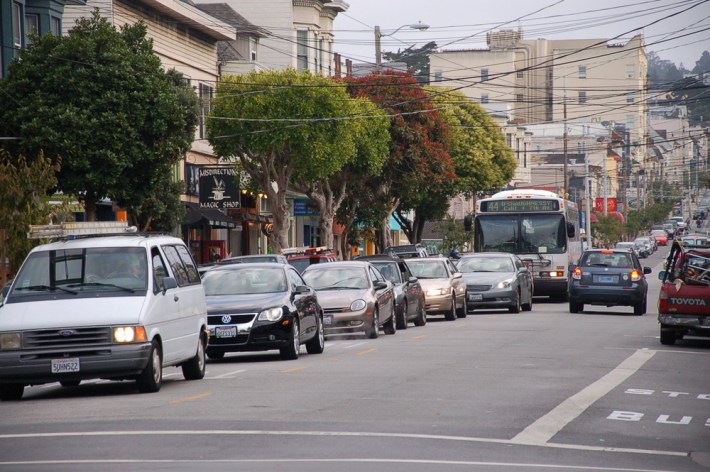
[496, 280]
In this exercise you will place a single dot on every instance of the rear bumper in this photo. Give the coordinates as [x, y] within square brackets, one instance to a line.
[696, 322]
[607, 296]
[549, 286]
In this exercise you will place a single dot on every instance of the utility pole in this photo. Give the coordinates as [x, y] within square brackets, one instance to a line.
[588, 192]
[564, 138]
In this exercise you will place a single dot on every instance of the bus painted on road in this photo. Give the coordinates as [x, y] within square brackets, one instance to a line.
[539, 226]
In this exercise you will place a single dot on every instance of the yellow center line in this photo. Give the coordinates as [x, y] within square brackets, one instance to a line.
[368, 351]
[421, 336]
[295, 369]
[196, 397]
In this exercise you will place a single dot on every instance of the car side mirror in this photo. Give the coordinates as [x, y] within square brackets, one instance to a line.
[380, 285]
[458, 275]
[301, 289]
[413, 280]
[570, 230]
[168, 283]
[647, 270]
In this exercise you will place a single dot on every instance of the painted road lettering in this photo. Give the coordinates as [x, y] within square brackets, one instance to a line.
[668, 393]
[663, 419]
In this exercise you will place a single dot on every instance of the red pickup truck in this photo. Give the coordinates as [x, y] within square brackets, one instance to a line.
[684, 299]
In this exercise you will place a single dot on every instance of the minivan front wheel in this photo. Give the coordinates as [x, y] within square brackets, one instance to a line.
[194, 369]
[11, 392]
[151, 378]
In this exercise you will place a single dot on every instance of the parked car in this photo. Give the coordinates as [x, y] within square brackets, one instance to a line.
[631, 246]
[278, 258]
[496, 280]
[444, 286]
[409, 296]
[643, 247]
[355, 297]
[680, 223]
[670, 228]
[661, 236]
[301, 258]
[407, 251]
[608, 277]
[103, 307]
[684, 297]
[260, 307]
[695, 240]
[653, 242]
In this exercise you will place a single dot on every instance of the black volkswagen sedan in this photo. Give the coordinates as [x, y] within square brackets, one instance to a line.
[259, 307]
[608, 277]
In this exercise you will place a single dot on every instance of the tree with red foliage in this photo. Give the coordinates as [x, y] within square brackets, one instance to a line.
[420, 137]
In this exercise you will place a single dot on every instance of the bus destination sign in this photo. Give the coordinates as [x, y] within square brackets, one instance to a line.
[519, 206]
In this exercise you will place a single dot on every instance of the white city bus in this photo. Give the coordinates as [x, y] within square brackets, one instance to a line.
[537, 225]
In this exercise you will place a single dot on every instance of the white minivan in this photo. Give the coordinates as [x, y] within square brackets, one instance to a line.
[111, 307]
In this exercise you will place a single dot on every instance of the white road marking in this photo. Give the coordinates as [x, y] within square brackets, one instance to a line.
[221, 376]
[546, 427]
[354, 345]
[425, 437]
[507, 465]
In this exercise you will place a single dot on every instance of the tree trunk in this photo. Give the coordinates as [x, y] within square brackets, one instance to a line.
[281, 215]
[90, 207]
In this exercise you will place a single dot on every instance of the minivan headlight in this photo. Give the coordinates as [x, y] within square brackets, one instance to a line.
[272, 314]
[10, 341]
[129, 334]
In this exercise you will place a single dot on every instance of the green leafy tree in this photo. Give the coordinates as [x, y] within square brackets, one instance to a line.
[418, 156]
[372, 137]
[283, 127]
[608, 229]
[481, 157]
[99, 99]
[417, 60]
[23, 190]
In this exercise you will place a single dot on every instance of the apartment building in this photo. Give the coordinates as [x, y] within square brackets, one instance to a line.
[301, 32]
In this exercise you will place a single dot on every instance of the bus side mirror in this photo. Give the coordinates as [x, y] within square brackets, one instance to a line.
[468, 223]
[570, 230]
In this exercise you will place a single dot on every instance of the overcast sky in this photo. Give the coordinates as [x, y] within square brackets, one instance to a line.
[462, 24]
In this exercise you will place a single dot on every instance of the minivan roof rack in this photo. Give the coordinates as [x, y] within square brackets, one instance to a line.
[81, 229]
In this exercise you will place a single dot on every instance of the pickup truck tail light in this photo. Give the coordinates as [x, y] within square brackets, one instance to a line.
[635, 275]
[663, 301]
[577, 273]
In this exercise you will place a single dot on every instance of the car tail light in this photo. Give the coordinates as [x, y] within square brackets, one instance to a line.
[577, 273]
[635, 275]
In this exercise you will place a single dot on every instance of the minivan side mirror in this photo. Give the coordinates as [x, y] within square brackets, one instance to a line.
[168, 283]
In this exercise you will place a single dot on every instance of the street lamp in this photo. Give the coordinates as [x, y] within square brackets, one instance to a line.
[378, 35]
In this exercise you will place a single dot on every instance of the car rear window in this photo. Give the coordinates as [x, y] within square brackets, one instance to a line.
[611, 259]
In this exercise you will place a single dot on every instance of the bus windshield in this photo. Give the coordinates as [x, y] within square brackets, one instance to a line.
[521, 234]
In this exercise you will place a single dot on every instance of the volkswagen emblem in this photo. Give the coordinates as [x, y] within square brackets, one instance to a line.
[226, 319]
[67, 332]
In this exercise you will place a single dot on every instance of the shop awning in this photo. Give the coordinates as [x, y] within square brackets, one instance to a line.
[197, 216]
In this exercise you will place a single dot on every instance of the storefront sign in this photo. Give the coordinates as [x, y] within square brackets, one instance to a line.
[304, 207]
[218, 187]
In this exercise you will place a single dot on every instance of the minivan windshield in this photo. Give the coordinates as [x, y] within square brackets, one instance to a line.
[73, 272]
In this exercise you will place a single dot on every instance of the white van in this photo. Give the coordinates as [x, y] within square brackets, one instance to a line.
[111, 307]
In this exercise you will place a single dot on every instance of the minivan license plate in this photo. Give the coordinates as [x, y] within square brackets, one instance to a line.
[61, 366]
[230, 332]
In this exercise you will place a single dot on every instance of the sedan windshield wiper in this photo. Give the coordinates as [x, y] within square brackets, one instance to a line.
[99, 284]
[42, 288]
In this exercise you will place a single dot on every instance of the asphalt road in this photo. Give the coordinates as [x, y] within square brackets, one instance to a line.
[536, 391]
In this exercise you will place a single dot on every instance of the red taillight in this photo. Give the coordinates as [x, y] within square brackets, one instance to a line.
[577, 273]
[635, 275]
[663, 301]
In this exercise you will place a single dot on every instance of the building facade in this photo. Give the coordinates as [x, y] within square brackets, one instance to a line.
[301, 32]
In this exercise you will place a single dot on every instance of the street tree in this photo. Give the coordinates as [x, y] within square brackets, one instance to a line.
[24, 184]
[283, 127]
[482, 161]
[417, 157]
[417, 60]
[371, 129]
[98, 99]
